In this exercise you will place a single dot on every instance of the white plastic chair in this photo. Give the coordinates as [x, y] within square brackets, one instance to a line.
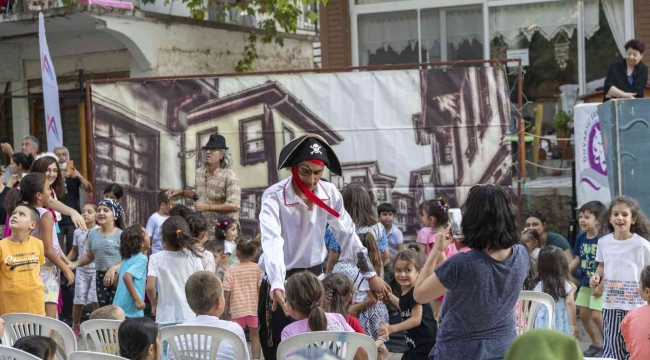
[529, 302]
[19, 325]
[89, 355]
[182, 340]
[9, 353]
[345, 344]
[103, 335]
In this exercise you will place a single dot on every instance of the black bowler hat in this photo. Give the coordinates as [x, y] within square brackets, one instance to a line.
[216, 142]
[309, 147]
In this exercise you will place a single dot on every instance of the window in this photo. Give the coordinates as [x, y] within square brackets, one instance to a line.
[359, 179]
[248, 207]
[251, 137]
[288, 134]
[381, 195]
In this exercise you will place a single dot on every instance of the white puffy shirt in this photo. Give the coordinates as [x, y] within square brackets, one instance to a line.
[293, 235]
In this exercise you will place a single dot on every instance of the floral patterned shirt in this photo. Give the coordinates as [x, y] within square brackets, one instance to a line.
[222, 187]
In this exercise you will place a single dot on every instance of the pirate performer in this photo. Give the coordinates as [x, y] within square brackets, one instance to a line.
[293, 218]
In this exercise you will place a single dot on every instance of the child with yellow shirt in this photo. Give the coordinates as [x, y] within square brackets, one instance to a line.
[21, 289]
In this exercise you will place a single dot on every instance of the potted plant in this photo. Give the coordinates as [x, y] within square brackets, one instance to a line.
[562, 123]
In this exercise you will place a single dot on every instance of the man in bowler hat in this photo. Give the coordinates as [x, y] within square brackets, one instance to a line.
[217, 187]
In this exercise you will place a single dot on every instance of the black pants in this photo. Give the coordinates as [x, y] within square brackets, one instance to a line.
[105, 294]
[66, 237]
[273, 322]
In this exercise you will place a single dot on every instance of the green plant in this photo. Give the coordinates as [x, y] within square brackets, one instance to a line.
[277, 14]
[562, 121]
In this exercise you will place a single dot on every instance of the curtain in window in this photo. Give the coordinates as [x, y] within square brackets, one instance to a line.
[548, 18]
[615, 14]
[464, 25]
[395, 30]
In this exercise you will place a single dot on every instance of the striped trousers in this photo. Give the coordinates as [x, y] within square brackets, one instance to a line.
[613, 343]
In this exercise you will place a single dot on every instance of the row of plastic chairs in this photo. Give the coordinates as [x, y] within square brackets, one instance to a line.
[9, 353]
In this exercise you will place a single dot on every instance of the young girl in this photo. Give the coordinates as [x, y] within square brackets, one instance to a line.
[199, 229]
[417, 319]
[139, 339]
[168, 272]
[241, 287]
[84, 290]
[227, 230]
[104, 249]
[339, 292]
[134, 245]
[554, 280]
[370, 312]
[113, 192]
[621, 255]
[40, 346]
[530, 238]
[435, 217]
[304, 295]
[635, 326]
[35, 191]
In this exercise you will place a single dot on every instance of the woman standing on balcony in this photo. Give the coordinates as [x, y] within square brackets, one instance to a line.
[627, 78]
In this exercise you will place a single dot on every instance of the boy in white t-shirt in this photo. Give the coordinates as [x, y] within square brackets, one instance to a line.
[154, 225]
[204, 293]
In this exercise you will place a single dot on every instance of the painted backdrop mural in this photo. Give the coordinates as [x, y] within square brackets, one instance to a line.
[408, 136]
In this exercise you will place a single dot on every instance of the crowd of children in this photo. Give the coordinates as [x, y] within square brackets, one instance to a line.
[118, 270]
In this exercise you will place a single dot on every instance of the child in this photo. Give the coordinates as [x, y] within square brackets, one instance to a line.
[370, 312]
[85, 290]
[134, 244]
[636, 324]
[417, 319]
[530, 238]
[621, 255]
[199, 229]
[40, 346]
[113, 192]
[22, 291]
[205, 296]
[35, 191]
[554, 280]
[216, 247]
[108, 312]
[181, 210]
[241, 290]
[104, 249]
[154, 225]
[227, 230]
[590, 301]
[339, 292]
[139, 339]
[386, 212]
[168, 272]
[435, 216]
[304, 294]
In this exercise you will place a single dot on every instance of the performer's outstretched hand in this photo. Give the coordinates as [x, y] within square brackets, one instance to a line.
[278, 298]
[379, 287]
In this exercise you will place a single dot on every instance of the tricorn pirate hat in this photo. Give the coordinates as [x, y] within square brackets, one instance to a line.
[309, 147]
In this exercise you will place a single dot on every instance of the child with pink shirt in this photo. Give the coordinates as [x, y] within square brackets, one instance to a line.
[434, 215]
[304, 293]
[636, 324]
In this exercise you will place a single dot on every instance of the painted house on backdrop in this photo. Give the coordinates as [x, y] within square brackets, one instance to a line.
[368, 174]
[256, 123]
[465, 122]
[137, 137]
[405, 213]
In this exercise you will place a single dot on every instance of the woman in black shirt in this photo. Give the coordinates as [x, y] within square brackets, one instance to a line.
[626, 78]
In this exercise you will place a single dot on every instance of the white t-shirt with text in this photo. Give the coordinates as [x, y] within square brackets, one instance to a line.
[624, 260]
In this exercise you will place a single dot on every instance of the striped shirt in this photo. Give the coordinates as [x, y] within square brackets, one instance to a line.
[243, 280]
[106, 248]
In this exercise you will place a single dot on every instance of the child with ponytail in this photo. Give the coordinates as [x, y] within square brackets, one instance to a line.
[304, 295]
[169, 270]
[35, 191]
[241, 287]
[370, 312]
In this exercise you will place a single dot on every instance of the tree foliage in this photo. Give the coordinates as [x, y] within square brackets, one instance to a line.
[278, 16]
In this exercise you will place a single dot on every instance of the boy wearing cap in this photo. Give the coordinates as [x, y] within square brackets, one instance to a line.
[293, 218]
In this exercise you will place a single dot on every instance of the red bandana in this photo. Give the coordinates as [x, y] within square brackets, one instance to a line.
[307, 192]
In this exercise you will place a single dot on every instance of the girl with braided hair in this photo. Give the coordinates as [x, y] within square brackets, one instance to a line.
[241, 286]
